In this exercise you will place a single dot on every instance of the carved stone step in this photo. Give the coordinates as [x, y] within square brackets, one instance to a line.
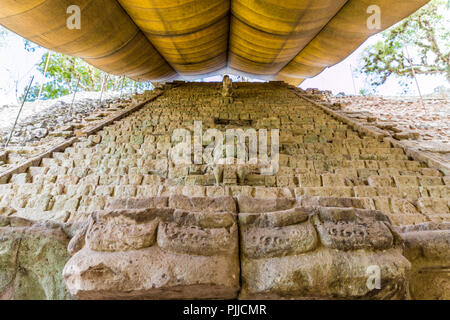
[319, 253]
[159, 253]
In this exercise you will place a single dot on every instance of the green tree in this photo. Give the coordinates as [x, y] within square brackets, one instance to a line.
[426, 34]
[67, 74]
[50, 90]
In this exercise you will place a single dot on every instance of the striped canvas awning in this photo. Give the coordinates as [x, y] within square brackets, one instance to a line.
[286, 40]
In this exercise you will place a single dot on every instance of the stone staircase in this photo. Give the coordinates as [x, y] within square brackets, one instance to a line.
[323, 163]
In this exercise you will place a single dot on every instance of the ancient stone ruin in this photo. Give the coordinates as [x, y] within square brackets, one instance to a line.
[110, 214]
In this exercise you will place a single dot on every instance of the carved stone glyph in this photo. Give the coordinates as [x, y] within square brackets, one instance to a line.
[288, 251]
[160, 253]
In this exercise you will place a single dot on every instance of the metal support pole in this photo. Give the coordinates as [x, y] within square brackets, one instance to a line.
[414, 75]
[73, 99]
[103, 87]
[20, 111]
[353, 79]
[45, 72]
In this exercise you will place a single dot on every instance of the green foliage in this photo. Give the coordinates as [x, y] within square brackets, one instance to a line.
[30, 46]
[365, 92]
[425, 35]
[50, 90]
[68, 74]
[67, 70]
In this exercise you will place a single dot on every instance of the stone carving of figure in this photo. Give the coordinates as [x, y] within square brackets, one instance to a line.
[227, 90]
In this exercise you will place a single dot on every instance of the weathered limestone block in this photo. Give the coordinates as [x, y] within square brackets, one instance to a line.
[39, 215]
[3, 156]
[202, 180]
[193, 191]
[32, 257]
[157, 253]
[203, 204]
[318, 252]
[358, 203]
[427, 247]
[251, 205]
[20, 178]
[7, 211]
[137, 203]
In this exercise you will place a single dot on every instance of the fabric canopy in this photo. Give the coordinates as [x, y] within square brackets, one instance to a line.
[287, 40]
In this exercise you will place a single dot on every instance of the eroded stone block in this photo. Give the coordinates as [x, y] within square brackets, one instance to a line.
[427, 247]
[32, 257]
[156, 253]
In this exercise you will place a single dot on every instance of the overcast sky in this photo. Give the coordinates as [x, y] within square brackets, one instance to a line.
[17, 64]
